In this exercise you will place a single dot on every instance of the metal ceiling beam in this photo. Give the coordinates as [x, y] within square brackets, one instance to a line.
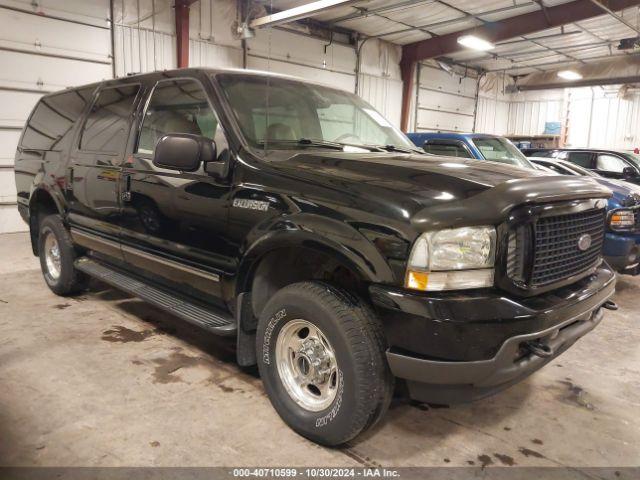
[298, 13]
[508, 28]
[616, 16]
[453, 21]
[511, 27]
[596, 82]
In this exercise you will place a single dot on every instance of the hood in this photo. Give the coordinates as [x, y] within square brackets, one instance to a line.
[625, 194]
[420, 176]
[426, 189]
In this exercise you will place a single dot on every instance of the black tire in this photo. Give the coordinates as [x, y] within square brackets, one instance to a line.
[68, 281]
[365, 384]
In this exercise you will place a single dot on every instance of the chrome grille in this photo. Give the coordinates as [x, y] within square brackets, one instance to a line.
[556, 255]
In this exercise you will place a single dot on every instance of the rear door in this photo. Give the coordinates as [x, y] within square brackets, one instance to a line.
[583, 159]
[96, 167]
[174, 224]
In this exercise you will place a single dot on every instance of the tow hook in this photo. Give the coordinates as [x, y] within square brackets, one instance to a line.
[610, 305]
[538, 348]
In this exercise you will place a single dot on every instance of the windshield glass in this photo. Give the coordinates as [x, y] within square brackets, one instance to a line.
[279, 113]
[501, 150]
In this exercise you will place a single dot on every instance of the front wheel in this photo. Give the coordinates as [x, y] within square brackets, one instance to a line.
[321, 359]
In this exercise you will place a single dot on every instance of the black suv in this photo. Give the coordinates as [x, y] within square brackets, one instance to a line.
[295, 218]
[606, 163]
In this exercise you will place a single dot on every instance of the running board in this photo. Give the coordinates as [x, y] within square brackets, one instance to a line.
[206, 318]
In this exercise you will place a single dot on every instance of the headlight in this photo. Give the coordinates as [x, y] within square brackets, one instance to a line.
[622, 220]
[454, 259]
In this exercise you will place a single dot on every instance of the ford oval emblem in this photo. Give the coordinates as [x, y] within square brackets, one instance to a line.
[584, 242]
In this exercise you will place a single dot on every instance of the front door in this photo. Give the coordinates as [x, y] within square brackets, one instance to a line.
[95, 169]
[174, 223]
[614, 166]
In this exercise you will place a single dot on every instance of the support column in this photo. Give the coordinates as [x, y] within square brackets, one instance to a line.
[408, 71]
[182, 32]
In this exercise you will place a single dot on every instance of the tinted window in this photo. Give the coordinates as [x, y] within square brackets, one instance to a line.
[580, 158]
[107, 125]
[279, 112]
[448, 149]
[51, 124]
[501, 150]
[611, 163]
[179, 106]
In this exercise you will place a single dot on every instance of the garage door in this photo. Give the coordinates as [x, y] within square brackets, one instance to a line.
[44, 46]
[446, 101]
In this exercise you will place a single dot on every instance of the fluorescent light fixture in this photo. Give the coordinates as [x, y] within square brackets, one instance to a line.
[475, 43]
[569, 75]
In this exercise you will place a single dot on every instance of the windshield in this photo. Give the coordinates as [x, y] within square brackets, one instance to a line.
[501, 150]
[279, 113]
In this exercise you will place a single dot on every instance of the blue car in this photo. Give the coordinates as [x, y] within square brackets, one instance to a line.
[622, 241]
[471, 145]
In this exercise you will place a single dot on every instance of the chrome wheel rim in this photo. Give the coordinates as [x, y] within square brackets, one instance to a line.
[307, 365]
[52, 256]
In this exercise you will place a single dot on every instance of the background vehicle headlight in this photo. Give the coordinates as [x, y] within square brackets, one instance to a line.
[622, 220]
[453, 259]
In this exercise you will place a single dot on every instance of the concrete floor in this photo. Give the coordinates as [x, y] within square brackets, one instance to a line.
[106, 380]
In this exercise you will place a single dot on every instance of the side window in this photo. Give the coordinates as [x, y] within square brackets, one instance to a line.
[448, 149]
[107, 126]
[53, 118]
[179, 106]
[580, 158]
[611, 163]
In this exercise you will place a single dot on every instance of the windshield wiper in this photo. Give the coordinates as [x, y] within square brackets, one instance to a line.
[395, 148]
[304, 142]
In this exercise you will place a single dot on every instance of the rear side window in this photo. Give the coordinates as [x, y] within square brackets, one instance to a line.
[448, 149]
[580, 158]
[51, 123]
[611, 163]
[107, 126]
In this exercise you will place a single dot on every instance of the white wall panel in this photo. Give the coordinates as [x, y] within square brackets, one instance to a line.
[385, 94]
[44, 46]
[7, 186]
[601, 118]
[16, 107]
[8, 143]
[492, 116]
[10, 220]
[142, 50]
[207, 54]
[302, 56]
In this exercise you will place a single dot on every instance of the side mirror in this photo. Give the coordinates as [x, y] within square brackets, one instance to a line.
[629, 172]
[218, 167]
[183, 152]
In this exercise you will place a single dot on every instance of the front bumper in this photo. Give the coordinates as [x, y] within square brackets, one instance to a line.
[622, 252]
[453, 348]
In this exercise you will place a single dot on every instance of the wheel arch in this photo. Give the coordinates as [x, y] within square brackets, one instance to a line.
[42, 201]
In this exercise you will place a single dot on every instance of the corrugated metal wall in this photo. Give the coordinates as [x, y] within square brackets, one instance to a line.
[44, 46]
[604, 118]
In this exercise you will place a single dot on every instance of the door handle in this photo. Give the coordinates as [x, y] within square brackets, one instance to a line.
[125, 195]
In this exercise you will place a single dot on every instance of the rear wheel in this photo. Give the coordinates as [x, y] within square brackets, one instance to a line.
[57, 255]
[321, 359]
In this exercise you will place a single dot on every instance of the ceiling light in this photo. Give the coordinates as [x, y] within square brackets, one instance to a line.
[475, 43]
[569, 75]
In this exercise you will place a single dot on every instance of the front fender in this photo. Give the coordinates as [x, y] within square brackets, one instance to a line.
[337, 239]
